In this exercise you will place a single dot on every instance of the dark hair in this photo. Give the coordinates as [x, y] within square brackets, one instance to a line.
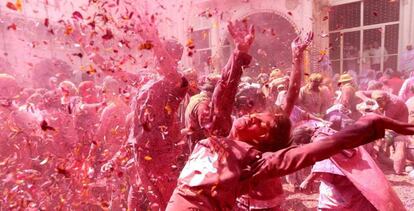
[248, 97]
[279, 134]
[302, 134]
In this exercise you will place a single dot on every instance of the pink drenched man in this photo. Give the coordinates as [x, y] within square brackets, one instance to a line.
[269, 194]
[219, 168]
[156, 128]
[112, 129]
[314, 97]
[347, 96]
[58, 125]
[210, 111]
[87, 115]
[19, 130]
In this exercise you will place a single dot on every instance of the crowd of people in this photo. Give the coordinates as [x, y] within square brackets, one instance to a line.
[177, 140]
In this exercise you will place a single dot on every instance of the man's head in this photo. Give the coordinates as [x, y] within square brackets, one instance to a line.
[381, 97]
[276, 73]
[249, 99]
[51, 99]
[262, 78]
[265, 131]
[344, 79]
[389, 72]
[409, 47]
[175, 49]
[110, 87]
[302, 134]
[191, 75]
[208, 82]
[67, 89]
[88, 92]
[8, 87]
[315, 80]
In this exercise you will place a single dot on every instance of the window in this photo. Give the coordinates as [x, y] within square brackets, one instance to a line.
[381, 11]
[345, 16]
[364, 35]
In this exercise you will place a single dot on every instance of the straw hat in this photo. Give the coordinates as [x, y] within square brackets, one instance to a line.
[345, 78]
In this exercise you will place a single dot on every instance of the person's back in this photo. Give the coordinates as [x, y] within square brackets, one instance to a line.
[155, 121]
[154, 134]
[315, 102]
[396, 109]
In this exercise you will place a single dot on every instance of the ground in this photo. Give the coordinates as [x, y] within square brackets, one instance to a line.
[401, 184]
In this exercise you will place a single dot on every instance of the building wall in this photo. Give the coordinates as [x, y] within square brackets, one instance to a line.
[405, 22]
[297, 12]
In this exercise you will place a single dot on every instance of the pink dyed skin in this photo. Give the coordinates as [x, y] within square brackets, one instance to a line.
[269, 193]
[155, 129]
[245, 129]
[212, 115]
[237, 161]
[362, 184]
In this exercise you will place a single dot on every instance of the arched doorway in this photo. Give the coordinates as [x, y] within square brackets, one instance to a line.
[271, 47]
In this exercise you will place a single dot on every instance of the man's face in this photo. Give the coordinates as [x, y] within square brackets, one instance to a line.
[254, 128]
[381, 101]
[90, 94]
[175, 50]
[315, 84]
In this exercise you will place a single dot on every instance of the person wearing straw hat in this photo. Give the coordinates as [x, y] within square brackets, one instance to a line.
[314, 97]
[392, 107]
[347, 94]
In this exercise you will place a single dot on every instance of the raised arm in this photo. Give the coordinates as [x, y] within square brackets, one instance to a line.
[298, 47]
[366, 129]
[363, 95]
[147, 30]
[226, 89]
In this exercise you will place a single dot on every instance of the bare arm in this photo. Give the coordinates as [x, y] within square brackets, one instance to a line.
[363, 95]
[149, 33]
[366, 129]
[298, 47]
[226, 89]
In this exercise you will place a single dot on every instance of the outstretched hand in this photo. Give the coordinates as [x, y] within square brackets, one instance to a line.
[383, 123]
[243, 35]
[299, 45]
